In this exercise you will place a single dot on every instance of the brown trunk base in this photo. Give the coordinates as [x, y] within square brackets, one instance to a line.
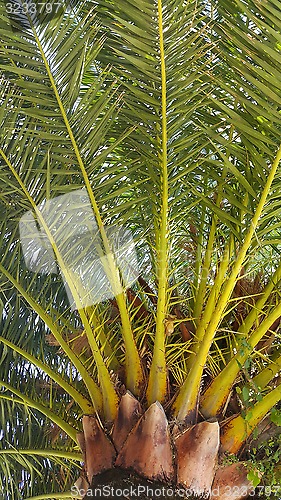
[143, 458]
[126, 485]
[112, 483]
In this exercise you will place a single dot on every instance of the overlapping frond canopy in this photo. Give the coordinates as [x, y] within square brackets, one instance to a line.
[168, 114]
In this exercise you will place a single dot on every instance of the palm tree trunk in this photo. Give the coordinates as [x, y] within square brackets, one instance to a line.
[144, 456]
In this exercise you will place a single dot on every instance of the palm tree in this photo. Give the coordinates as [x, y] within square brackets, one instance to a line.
[155, 123]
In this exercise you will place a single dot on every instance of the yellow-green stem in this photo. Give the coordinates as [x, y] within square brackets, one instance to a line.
[135, 374]
[266, 375]
[254, 313]
[198, 268]
[157, 385]
[99, 332]
[48, 453]
[186, 401]
[93, 389]
[110, 399]
[201, 293]
[236, 432]
[217, 393]
[214, 294]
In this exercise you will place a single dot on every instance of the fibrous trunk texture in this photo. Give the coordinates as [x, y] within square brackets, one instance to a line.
[197, 449]
[129, 412]
[231, 483]
[100, 452]
[148, 448]
[143, 445]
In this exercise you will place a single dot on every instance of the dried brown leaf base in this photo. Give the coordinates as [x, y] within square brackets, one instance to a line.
[142, 456]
